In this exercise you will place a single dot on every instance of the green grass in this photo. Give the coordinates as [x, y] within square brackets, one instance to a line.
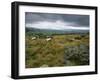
[62, 50]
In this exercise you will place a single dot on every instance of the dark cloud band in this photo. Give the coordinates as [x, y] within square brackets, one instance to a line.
[79, 20]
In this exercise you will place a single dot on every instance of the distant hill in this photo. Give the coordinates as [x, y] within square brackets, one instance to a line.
[48, 31]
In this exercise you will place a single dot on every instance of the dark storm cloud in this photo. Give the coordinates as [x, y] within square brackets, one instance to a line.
[79, 20]
[36, 17]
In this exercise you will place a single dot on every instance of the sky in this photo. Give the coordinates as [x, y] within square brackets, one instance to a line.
[56, 21]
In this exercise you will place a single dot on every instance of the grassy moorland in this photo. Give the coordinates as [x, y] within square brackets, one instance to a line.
[61, 50]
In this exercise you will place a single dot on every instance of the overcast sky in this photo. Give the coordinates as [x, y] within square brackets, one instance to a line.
[56, 21]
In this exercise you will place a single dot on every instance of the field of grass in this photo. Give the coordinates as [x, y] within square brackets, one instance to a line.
[61, 50]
